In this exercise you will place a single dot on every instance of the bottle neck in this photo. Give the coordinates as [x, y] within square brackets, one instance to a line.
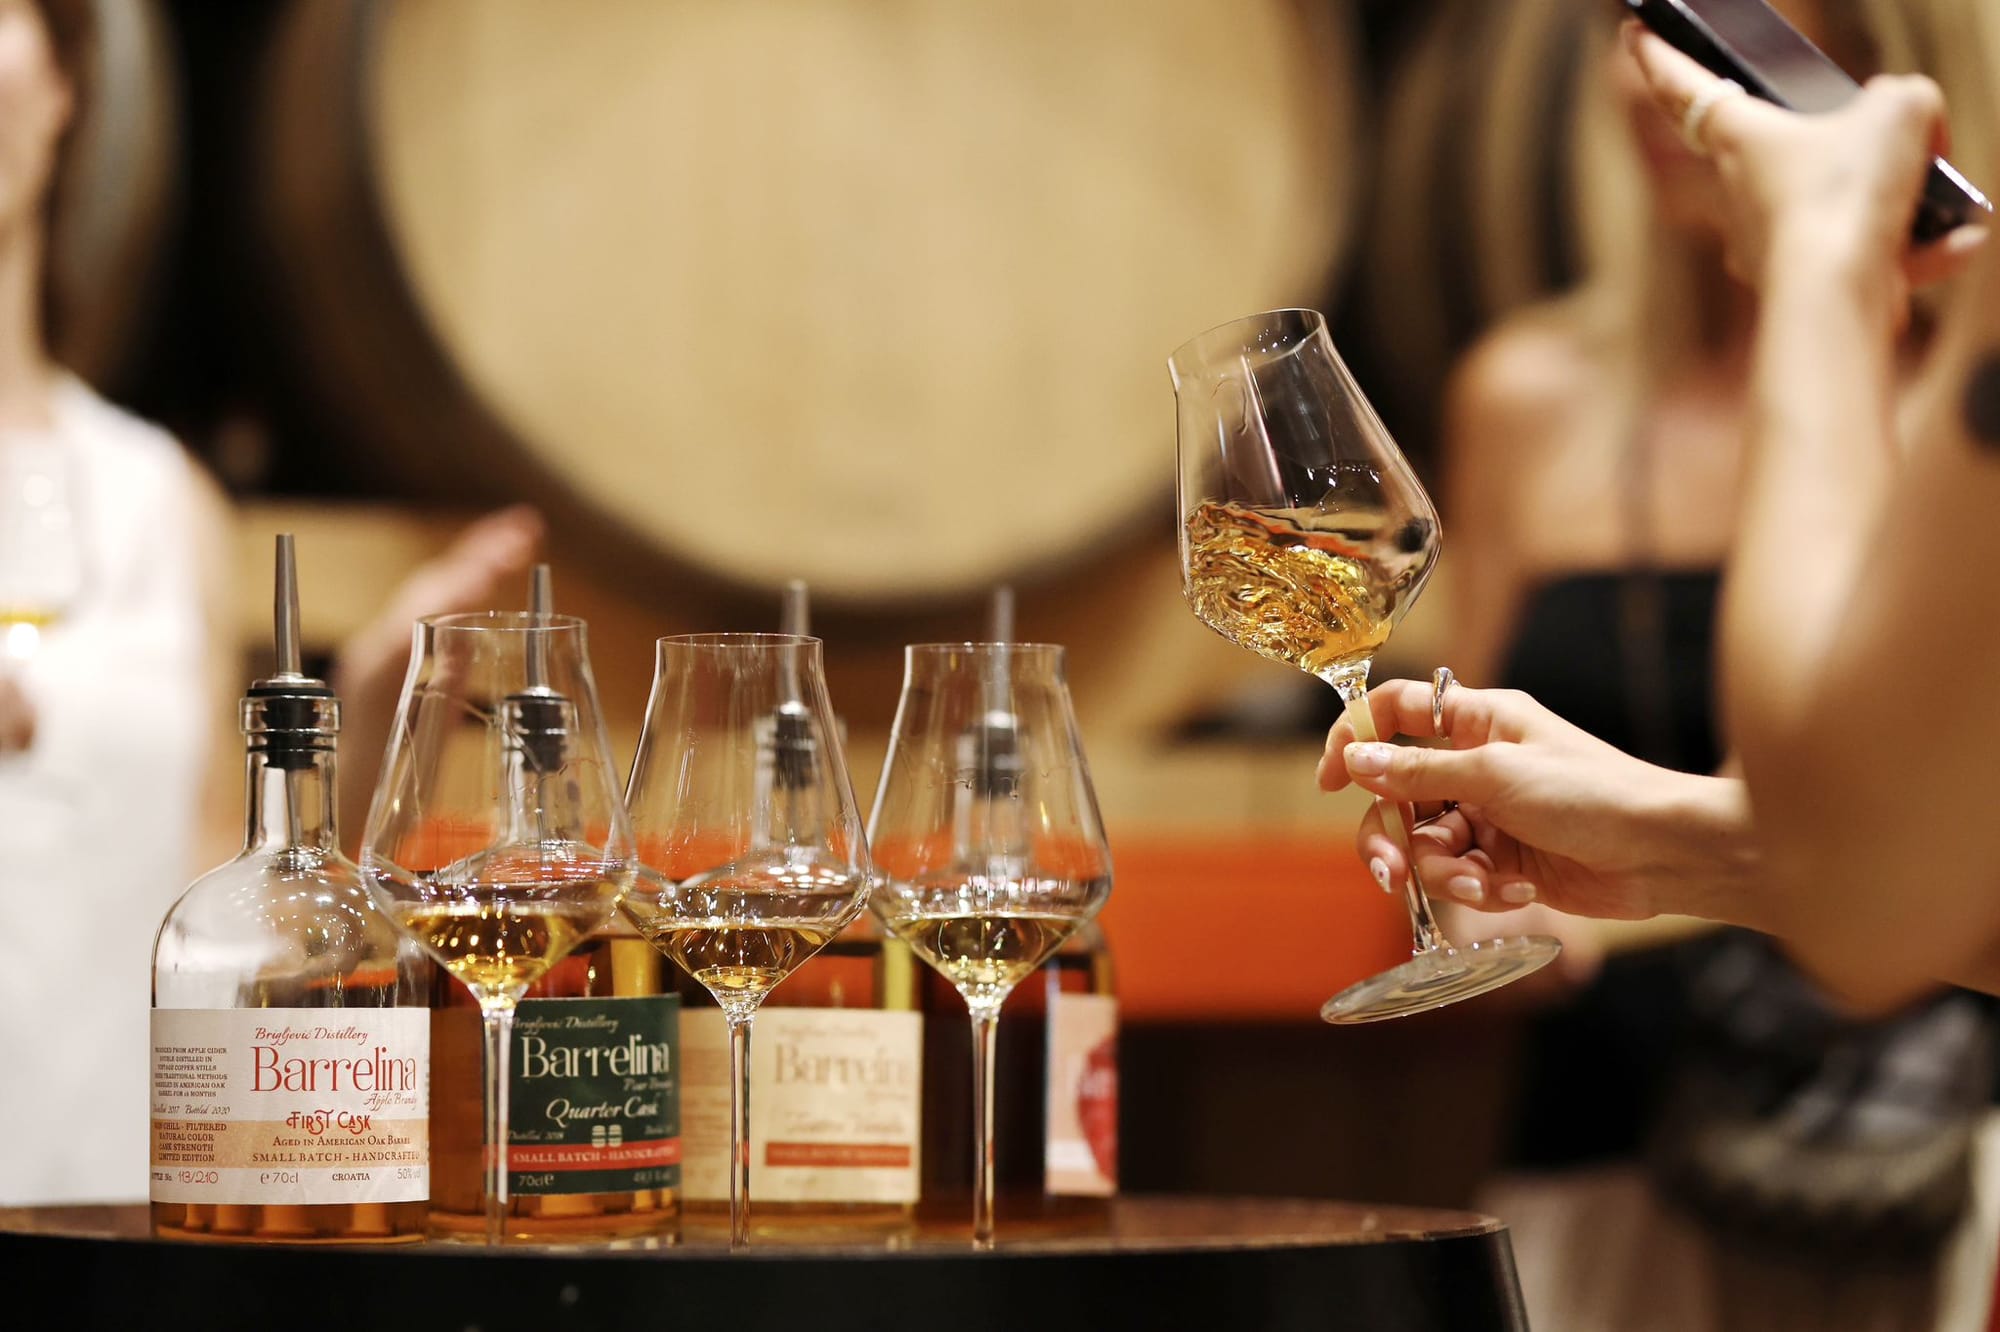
[540, 807]
[290, 808]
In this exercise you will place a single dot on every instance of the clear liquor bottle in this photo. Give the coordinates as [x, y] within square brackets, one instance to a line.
[290, 1032]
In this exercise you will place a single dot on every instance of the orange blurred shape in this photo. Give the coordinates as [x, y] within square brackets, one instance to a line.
[682, 854]
[1243, 927]
[434, 843]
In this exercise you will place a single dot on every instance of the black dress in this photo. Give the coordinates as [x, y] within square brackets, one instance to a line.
[1757, 1103]
[1595, 1072]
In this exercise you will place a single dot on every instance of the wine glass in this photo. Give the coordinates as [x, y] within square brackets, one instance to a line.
[987, 835]
[749, 832]
[1304, 537]
[41, 550]
[497, 839]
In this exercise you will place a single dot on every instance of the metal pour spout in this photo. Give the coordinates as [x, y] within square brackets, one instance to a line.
[538, 718]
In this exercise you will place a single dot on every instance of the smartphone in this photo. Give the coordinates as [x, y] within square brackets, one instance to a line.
[1748, 41]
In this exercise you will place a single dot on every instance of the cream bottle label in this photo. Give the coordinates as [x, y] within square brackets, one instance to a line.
[835, 1097]
[291, 1106]
[1082, 1148]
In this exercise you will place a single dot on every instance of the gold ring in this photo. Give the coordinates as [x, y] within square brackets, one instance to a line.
[1441, 680]
[1698, 110]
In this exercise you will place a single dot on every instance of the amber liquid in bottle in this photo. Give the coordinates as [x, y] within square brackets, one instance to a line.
[857, 979]
[1031, 1197]
[290, 1047]
[319, 1223]
[614, 963]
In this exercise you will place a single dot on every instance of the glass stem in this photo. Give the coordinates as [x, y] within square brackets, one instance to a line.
[1425, 935]
[739, 1128]
[985, 1033]
[497, 1021]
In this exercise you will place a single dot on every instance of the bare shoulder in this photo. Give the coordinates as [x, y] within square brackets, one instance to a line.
[1530, 371]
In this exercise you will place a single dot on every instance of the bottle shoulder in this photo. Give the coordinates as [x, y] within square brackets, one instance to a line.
[286, 928]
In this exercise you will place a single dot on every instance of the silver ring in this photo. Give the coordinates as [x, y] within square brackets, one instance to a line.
[1441, 680]
[1696, 116]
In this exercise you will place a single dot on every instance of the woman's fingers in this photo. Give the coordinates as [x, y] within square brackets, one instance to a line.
[1409, 774]
[1393, 706]
[1447, 862]
[17, 716]
[1472, 717]
[1676, 81]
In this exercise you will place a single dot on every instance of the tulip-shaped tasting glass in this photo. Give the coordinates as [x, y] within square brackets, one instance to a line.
[988, 839]
[749, 833]
[497, 839]
[1304, 536]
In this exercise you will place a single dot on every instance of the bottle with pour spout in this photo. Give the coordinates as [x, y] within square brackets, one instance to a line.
[290, 1029]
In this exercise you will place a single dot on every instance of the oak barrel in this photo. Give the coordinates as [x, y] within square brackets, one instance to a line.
[874, 293]
[117, 192]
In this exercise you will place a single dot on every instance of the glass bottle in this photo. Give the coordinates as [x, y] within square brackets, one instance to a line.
[290, 1037]
[594, 1138]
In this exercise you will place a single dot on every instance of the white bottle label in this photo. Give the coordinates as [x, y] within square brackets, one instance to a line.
[1081, 1156]
[291, 1106]
[835, 1104]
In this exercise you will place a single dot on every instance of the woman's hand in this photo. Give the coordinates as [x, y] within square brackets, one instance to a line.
[487, 557]
[1546, 812]
[1841, 189]
[17, 716]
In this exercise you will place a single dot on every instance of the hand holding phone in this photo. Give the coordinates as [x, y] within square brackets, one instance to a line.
[1748, 41]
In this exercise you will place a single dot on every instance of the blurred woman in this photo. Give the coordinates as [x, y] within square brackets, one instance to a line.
[111, 694]
[1594, 449]
[115, 685]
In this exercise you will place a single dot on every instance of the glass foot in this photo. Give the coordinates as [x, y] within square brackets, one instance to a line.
[1432, 980]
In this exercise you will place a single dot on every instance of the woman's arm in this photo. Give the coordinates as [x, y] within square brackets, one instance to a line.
[1856, 575]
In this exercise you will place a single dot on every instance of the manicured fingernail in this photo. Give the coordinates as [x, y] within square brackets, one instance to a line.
[1380, 869]
[1966, 239]
[1517, 893]
[1466, 889]
[1368, 760]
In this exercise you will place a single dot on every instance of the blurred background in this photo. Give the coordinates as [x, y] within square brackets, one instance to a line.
[878, 295]
[874, 295]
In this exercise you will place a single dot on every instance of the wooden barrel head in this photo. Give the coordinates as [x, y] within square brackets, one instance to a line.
[116, 191]
[875, 294]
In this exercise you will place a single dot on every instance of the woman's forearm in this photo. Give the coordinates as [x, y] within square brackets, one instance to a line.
[1858, 652]
[1820, 453]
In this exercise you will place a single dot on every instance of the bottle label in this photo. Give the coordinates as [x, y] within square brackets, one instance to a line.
[1082, 1149]
[835, 1097]
[291, 1106]
[594, 1096]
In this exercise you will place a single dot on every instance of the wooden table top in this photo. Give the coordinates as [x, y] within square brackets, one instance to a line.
[1151, 1262]
[1132, 1225]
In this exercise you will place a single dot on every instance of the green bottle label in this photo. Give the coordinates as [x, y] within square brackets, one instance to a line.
[595, 1088]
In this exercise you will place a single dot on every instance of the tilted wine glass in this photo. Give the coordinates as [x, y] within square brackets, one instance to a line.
[749, 832]
[497, 839]
[987, 836]
[1304, 537]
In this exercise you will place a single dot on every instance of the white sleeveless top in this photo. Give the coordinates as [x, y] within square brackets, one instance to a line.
[98, 818]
